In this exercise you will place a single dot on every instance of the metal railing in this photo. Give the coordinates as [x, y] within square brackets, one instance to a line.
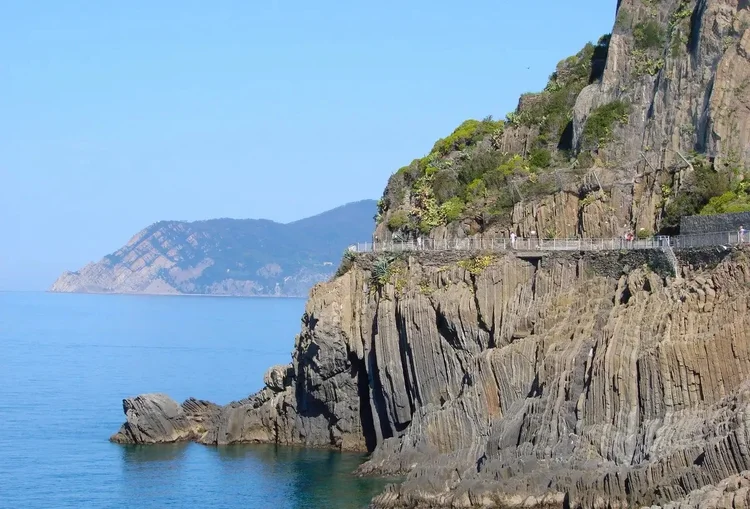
[537, 244]
[709, 239]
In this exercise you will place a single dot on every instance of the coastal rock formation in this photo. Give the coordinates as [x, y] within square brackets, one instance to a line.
[573, 379]
[277, 377]
[156, 418]
[589, 379]
[239, 257]
[733, 492]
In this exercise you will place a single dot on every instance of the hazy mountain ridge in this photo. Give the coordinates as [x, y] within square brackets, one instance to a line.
[242, 257]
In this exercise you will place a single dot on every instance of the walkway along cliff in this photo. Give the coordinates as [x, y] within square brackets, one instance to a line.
[556, 379]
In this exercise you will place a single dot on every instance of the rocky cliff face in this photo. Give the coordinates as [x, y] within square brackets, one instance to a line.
[227, 256]
[670, 99]
[568, 380]
[580, 380]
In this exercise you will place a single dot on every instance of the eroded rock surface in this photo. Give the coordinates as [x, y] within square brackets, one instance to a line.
[584, 378]
[277, 378]
[156, 418]
[732, 492]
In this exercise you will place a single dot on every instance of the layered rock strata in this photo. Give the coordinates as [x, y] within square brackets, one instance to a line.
[571, 379]
[156, 418]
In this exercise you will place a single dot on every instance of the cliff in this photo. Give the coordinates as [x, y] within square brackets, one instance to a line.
[645, 126]
[563, 380]
[227, 256]
[578, 379]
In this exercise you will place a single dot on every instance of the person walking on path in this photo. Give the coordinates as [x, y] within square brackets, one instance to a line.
[513, 240]
[742, 234]
[533, 235]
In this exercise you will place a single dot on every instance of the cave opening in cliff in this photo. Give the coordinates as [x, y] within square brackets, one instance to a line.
[700, 459]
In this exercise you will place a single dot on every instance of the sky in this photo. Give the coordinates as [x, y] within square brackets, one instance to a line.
[115, 115]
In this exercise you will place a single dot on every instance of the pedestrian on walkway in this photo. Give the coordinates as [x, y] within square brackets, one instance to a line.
[513, 240]
[742, 234]
[533, 235]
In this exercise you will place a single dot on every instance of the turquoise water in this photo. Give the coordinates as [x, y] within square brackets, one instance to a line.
[68, 360]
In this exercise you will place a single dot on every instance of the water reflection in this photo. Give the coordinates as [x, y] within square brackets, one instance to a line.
[245, 476]
[155, 472]
[309, 477]
[152, 453]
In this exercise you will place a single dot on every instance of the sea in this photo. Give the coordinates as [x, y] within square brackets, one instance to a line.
[66, 363]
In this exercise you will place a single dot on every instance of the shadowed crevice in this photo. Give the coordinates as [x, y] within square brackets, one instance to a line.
[376, 386]
[365, 411]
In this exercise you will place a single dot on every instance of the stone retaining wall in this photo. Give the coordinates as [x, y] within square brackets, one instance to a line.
[715, 223]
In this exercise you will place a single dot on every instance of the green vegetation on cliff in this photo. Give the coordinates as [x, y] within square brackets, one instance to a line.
[706, 190]
[558, 164]
[465, 135]
[729, 202]
[598, 129]
[480, 170]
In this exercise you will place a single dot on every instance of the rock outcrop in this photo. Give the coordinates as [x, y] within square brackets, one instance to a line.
[732, 492]
[156, 418]
[594, 379]
[680, 69]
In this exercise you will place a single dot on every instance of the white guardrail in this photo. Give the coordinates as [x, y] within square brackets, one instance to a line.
[536, 244]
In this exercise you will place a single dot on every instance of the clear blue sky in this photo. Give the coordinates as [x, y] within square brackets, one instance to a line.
[114, 115]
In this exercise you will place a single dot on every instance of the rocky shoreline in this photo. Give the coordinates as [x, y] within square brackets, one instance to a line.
[578, 380]
[571, 380]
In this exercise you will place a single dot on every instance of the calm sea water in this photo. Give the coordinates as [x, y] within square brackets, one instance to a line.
[66, 363]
